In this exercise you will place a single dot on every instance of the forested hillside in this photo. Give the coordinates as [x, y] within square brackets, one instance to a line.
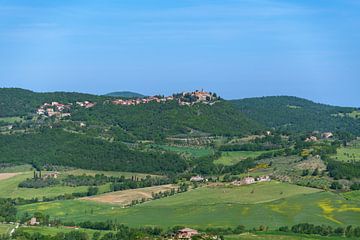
[21, 102]
[296, 114]
[156, 121]
[57, 147]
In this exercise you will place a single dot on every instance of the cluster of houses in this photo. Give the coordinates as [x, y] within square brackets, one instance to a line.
[325, 135]
[59, 109]
[145, 100]
[54, 109]
[251, 180]
[185, 98]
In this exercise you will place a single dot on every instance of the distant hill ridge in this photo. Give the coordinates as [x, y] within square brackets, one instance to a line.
[125, 94]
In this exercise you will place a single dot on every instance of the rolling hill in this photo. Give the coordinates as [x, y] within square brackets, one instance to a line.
[297, 114]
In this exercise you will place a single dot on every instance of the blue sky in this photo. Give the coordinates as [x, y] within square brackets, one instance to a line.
[237, 48]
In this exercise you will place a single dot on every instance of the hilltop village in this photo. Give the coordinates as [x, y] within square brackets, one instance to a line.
[184, 98]
[58, 109]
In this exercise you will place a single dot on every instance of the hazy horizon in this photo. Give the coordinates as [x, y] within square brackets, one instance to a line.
[238, 49]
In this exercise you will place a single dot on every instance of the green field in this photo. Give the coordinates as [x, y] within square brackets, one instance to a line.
[353, 195]
[273, 204]
[190, 151]
[52, 231]
[348, 153]
[231, 158]
[9, 187]
[10, 119]
[5, 228]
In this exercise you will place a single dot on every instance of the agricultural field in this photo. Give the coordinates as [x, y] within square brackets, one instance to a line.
[273, 204]
[9, 188]
[11, 119]
[127, 196]
[351, 153]
[52, 231]
[353, 195]
[188, 151]
[231, 158]
[9, 183]
[5, 228]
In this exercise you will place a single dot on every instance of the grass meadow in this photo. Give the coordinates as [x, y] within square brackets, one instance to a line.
[9, 187]
[5, 228]
[273, 204]
[190, 151]
[52, 231]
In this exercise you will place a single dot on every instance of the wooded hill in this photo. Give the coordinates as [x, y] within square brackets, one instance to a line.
[297, 114]
[21, 102]
[58, 147]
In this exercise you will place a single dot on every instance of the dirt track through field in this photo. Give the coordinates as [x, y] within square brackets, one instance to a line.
[127, 196]
[4, 176]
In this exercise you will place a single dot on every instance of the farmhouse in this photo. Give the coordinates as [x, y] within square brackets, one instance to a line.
[197, 179]
[33, 221]
[186, 233]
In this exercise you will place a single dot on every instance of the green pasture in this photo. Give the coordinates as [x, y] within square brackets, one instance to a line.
[5, 228]
[10, 119]
[348, 153]
[190, 151]
[272, 204]
[353, 195]
[52, 231]
[231, 158]
[9, 188]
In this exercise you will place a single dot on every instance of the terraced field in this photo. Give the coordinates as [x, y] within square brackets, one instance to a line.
[272, 204]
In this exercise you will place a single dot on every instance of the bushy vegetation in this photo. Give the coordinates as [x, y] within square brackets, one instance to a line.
[7, 210]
